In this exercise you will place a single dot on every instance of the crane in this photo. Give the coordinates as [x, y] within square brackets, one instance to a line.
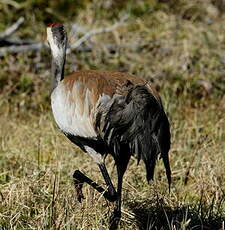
[106, 112]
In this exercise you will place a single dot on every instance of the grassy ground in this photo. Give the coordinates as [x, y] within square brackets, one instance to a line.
[180, 48]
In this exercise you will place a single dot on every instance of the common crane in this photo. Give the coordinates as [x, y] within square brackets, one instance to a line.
[105, 112]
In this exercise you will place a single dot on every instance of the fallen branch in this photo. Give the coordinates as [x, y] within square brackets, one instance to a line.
[38, 46]
[12, 29]
[15, 41]
[89, 34]
[22, 48]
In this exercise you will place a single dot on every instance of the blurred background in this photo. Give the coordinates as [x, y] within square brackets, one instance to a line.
[179, 46]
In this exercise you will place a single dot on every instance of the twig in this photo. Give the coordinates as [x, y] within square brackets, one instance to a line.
[12, 29]
[97, 31]
[15, 41]
[11, 3]
[22, 48]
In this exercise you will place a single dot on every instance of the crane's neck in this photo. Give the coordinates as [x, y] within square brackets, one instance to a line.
[57, 71]
[57, 39]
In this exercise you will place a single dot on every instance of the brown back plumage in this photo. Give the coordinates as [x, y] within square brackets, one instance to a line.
[106, 82]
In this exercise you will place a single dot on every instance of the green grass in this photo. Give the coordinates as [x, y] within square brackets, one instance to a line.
[174, 46]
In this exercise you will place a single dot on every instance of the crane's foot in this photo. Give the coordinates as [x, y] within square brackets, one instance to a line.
[78, 187]
[114, 219]
[79, 179]
[78, 183]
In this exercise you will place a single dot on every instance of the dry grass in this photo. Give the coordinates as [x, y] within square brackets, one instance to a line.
[36, 184]
[182, 53]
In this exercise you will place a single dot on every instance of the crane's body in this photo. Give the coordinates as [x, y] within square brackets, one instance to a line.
[79, 96]
[105, 112]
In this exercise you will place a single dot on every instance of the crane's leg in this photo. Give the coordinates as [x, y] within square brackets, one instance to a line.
[111, 193]
[121, 165]
[80, 179]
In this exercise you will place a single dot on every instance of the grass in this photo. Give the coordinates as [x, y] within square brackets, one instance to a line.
[180, 49]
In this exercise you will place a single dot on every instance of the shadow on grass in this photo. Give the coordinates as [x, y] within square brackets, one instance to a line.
[154, 214]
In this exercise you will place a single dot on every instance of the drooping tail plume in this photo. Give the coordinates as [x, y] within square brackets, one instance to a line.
[141, 122]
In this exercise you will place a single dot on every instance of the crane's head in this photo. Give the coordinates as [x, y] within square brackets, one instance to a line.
[57, 40]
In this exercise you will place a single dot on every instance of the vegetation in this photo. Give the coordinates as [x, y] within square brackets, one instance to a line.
[179, 46]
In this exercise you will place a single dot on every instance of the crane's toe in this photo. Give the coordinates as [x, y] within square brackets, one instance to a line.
[80, 195]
